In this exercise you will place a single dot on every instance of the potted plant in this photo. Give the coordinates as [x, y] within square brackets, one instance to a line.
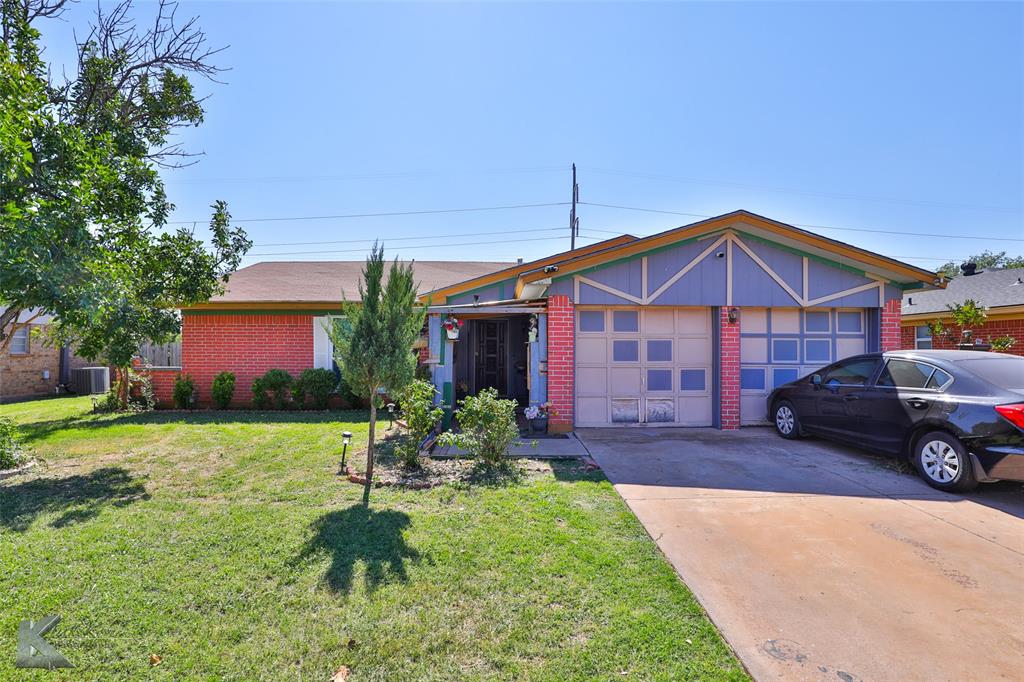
[537, 416]
[451, 326]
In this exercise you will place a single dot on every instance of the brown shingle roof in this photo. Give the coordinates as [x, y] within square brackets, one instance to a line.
[324, 281]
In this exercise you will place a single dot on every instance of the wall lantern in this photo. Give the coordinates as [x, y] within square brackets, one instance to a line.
[734, 315]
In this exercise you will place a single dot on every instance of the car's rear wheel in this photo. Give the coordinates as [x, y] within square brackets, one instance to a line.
[787, 424]
[943, 462]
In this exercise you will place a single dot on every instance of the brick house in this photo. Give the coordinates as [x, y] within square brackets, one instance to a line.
[30, 368]
[1001, 291]
[693, 326]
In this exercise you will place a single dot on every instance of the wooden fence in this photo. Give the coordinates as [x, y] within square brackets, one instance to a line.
[161, 354]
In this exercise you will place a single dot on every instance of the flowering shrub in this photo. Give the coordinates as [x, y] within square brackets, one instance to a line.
[488, 426]
[544, 410]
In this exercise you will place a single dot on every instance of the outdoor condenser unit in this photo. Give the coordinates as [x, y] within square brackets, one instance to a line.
[89, 380]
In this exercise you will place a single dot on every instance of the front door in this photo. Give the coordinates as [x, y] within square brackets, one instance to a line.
[491, 355]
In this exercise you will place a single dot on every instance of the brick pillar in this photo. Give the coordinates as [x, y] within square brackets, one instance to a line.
[561, 362]
[729, 345]
[890, 331]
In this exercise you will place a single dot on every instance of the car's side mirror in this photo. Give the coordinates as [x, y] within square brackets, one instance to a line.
[816, 381]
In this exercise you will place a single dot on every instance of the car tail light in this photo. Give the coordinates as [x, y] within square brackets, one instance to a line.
[1013, 413]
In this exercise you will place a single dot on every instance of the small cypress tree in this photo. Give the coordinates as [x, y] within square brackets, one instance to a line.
[373, 345]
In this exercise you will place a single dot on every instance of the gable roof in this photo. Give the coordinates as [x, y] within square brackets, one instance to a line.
[781, 233]
[440, 295]
[298, 284]
[991, 288]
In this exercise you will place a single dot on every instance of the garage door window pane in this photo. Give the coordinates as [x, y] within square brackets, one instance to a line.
[659, 351]
[691, 380]
[819, 351]
[591, 320]
[661, 411]
[659, 380]
[752, 379]
[625, 321]
[626, 351]
[816, 321]
[626, 411]
[784, 376]
[849, 322]
[784, 350]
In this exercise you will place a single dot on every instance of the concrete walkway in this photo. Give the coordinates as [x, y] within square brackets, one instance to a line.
[819, 562]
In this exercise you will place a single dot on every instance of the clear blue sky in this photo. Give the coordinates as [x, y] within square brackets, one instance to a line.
[881, 116]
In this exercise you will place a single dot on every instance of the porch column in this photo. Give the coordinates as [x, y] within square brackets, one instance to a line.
[890, 325]
[561, 362]
[441, 354]
[728, 371]
[539, 362]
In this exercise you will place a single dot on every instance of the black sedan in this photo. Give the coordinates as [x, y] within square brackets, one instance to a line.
[957, 416]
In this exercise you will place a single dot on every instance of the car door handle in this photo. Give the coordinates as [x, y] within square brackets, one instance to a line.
[917, 403]
[851, 397]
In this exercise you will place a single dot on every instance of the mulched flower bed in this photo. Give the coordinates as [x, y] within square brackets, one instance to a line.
[434, 472]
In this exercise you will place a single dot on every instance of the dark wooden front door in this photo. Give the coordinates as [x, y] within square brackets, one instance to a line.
[492, 355]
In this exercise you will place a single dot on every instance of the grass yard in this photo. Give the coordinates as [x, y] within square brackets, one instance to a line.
[226, 544]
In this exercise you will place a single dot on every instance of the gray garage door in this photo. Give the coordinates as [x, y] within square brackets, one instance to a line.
[779, 345]
[643, 365]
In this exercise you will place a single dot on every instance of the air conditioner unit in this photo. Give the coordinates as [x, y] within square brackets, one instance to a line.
[90, 380]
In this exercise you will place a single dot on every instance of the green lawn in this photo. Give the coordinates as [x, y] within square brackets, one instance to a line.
[226, 544]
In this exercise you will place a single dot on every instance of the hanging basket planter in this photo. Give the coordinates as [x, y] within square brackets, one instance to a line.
[451, 326]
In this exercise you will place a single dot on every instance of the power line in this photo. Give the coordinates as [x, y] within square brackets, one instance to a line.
[416, 246]
[432, 236]
[812, 227]
[376, 215]
[387, 175]
[835, 195]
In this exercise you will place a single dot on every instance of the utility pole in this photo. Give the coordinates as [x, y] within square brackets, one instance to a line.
[574, 222]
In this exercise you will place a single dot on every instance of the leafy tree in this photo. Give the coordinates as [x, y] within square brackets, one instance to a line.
[83, 210]
[373, 346]
[985, 259]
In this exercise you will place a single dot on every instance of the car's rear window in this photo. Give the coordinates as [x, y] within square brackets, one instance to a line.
[1004, 372]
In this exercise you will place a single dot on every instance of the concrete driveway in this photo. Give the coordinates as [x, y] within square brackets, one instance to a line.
[818, 561]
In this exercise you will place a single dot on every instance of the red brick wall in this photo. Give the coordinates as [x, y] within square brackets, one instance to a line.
[729, 344]
[561, 361]
[162, 379]
[890, 337]
[247, 345]
[990, 330]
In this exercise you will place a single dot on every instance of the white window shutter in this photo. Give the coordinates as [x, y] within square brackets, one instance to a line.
[322, 347]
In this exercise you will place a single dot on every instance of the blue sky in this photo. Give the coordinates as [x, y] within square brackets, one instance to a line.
[904, 117]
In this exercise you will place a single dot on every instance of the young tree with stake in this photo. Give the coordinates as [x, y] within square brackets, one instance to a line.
[373, 345]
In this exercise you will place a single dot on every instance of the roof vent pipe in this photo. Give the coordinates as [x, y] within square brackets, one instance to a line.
[968, 269]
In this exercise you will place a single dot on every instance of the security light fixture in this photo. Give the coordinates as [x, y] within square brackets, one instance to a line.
[734, 315]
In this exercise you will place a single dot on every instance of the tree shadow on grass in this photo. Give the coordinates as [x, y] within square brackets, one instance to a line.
[79, 497]
[359, 534]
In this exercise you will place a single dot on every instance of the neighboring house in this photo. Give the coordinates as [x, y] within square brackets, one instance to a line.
[29, 367]
[1001, 291]
[690, 327]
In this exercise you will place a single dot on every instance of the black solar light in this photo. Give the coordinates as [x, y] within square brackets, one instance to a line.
[391, 415]
[346, 438]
